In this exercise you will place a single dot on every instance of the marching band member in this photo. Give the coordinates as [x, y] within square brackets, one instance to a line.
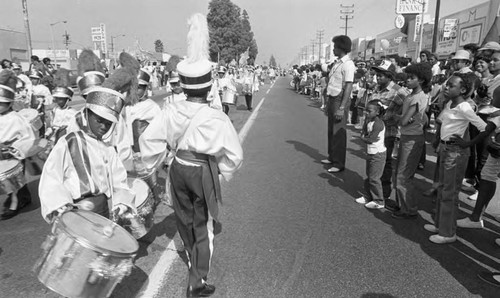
[84, 170]
[136, 118]
[221, 84]
[91, 75]
[16, 138]
[62, 114]
[205, 143]
[41, 98]
[175, 87]
[248, 81]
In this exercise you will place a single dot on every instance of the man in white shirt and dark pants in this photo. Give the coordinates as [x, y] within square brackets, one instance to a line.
[339, 89]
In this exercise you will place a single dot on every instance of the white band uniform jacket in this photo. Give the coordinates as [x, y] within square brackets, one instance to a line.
[81, 165]
[214, 134]
[16, 132]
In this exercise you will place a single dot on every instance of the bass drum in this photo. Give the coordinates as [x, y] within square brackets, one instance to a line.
[86, 255]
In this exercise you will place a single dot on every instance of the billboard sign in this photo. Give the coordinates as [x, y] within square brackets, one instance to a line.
[470, 34]
[99, 37]
[411, 6]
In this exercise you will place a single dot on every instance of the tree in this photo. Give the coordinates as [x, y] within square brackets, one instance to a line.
[272, 61]
[159, 46]
[230, 31]
[246, 34]
[253, 50]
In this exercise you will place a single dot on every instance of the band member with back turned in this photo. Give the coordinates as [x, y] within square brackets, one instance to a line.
[205, 144]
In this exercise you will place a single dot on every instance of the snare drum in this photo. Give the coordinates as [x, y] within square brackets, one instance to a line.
[247, 89]
[11, 176]
[86, 255]
[229, 97]
[142, 223]
[33, 117]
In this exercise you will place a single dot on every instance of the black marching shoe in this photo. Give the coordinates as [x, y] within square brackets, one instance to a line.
[401, 215]
[205, 291]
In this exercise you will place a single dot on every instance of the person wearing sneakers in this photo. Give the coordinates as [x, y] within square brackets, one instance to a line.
[339, 90]
[455, 119]
[391, 95]
[373, 135]
[489, 172]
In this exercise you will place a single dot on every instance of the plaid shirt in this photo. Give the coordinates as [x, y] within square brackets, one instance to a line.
[392, 97]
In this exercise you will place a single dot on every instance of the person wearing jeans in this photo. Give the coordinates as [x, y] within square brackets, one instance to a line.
[412, 139]
[391, 95]
[373, 135]
[455, 119]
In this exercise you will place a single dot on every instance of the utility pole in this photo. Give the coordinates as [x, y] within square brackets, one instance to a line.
[27, 27]
[307, 54]
[313, 42]
[319, 36]
[346, 11]
[436, 26]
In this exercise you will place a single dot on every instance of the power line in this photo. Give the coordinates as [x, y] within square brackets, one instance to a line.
[346, 11]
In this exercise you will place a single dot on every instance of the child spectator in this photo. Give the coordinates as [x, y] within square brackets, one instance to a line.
[455, 119]
[373, 135]
[412, 141]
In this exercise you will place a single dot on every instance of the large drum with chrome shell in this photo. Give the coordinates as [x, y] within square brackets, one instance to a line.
[86, 255]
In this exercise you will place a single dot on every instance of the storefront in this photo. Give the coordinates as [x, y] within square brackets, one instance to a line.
[13, 46]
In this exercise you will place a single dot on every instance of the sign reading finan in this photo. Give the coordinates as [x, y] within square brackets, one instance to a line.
[411, 6]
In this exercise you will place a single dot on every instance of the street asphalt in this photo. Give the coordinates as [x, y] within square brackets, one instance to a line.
[290, 229]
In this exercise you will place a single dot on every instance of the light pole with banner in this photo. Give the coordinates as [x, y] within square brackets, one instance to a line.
[418, 7]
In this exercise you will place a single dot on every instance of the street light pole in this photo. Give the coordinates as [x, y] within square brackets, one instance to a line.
[27, 28]
[53, 41]
[113, 44]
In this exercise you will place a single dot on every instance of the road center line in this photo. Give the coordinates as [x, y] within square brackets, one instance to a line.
[159, 273]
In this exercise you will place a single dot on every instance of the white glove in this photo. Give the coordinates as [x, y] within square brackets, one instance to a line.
[120, 209]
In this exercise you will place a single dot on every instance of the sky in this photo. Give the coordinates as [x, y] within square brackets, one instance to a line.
[281, 27]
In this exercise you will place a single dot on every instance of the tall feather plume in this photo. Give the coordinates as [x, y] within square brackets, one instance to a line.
[197, 38]
[88, 61]
[124, 79]
[61, 78]
[8, 78]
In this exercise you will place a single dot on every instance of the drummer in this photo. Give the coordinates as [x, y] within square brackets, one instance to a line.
[16, 138]
[62, 115]
[42, 98]
[136, 118]
[82, 169]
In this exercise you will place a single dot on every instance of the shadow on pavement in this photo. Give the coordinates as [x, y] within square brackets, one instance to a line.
[308, 150]
[166, 227]
[131, 285]
[461, 258]
[376, 295]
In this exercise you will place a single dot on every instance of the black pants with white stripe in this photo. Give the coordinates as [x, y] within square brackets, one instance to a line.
[190, 187]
